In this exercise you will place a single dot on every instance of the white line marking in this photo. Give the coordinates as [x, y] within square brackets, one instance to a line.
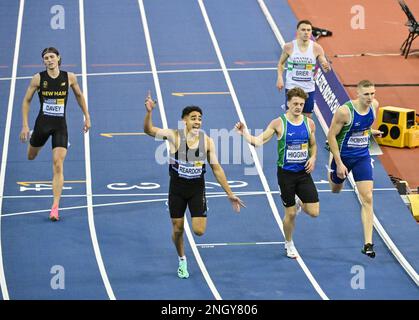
[164, 122]
[86, 206]
[3, 283]
[383, 234]
[377, 225]
[244, 193]
[252, 149]
[17, 78]
[121, 73]
[87, 163]
[238, 244]
[208, 195]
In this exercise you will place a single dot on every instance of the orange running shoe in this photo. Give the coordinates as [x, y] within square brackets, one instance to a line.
[53, 216]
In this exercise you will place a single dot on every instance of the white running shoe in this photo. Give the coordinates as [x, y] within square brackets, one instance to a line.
[290, 249]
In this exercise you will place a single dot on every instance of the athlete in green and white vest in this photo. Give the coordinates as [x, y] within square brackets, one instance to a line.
[297, 152]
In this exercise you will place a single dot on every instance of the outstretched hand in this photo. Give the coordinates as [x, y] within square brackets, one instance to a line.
[236, 202]
[240, 127]
[376, 133]
[149, 102]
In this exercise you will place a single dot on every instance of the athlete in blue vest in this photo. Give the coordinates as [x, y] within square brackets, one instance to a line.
[189, 149]
[297, 152]
[349, 139]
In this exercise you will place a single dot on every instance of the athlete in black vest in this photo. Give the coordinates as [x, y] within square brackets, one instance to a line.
[52, 87]
[189, 149]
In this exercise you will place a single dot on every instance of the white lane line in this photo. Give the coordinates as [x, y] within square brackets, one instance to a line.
[164, 122]
[89, 192]
[219, 195]
[378, 227]
[85, 206]
[252, 149]
[209, 195]
[3, 283]
[17, 78]
[226, 244]
[121, 73]
[165, 194]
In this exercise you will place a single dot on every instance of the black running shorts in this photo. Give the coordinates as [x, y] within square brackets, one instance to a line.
[185, 193]
[296, 183]
[49, 126]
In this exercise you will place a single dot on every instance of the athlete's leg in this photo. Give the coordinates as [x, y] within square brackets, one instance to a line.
[309, 105]
[312, 209]
[336, 184]
[177, 235]
[197, 205]
[289, 222]
[307, 195]
[33, 152]
[289, 226]
[38, 138]
[287, 186]
[334, 187]
[58, 157]
[365, 193]
[177, 206]
[199, 225]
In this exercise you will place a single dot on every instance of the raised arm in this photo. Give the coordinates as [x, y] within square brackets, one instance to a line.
[80, 100]
[32, 88]
[220, 175]
[264, 137]
[150, 129]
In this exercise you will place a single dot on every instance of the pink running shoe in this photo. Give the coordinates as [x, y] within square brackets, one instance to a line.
[53, 216]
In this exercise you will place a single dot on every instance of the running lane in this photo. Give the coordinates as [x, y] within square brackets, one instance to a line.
[331, 243]
[45, 260]
[241, 269]
[135, 238]
[8, 23]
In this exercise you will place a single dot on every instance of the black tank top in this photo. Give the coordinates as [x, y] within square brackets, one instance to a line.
[53, 95]
[188, 163]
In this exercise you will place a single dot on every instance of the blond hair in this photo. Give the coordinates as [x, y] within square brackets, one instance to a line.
[365, 84]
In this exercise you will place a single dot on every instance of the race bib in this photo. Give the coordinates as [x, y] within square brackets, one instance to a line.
[359, 139]
[302, 72]
[297, 153]
[53, 107]
[189, 170]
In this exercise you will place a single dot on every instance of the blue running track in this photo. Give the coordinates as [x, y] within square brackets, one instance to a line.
[114, 237]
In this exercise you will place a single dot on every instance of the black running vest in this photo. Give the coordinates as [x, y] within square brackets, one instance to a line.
[188, 163]
[53, 94]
